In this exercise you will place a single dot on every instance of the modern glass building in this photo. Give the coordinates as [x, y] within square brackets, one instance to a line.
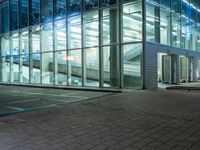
[99, 43]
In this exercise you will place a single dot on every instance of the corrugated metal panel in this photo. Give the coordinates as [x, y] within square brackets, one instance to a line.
[150, 61]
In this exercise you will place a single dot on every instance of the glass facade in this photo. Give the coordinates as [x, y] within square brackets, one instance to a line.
[90, 43]
[177, 21]
[83, 43]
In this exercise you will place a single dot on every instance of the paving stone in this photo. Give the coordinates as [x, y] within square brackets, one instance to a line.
[145, 120]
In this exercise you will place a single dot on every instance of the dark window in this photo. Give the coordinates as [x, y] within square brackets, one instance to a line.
[74, 7]
[108, 2]
[46, 10]
[23, 13]
[176, 6]
[4, 17]
[165, 3]
[35, 12]
[90, 4]
[59, 9]
[14, 15]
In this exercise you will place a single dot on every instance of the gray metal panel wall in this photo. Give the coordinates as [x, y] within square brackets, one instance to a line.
[150, 61]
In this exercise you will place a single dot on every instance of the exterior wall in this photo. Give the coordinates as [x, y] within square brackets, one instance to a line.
[150, 61]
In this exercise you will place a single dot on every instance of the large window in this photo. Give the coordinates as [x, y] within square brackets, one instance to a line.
[132, 21]
[60, 34]
[46, 8]
[110, 61]
[23, 13]
[176, 30]
[35, 39]
[47, 37]
[59, 9]
[91, 29]
[74, 60]
[165, 22]
[110, 26]
[90, 4]
[74, 32]
[4, 17]
[132, 65]
[91, 67]
[74, 7]
[60, 68]
[13, 14]
[35, 12]
[152, 23]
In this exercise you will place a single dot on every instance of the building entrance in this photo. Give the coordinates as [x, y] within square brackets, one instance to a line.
[167, 67]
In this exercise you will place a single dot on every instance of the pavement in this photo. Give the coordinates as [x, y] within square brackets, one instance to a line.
[136, 120]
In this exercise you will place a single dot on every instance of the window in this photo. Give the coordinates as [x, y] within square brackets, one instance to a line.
[132, 65]
[74, 7]
[132, 22]
[91, 29]
[59, 9]
[35, 12]
[23, 13]
[4, 17]
[14, 15]
[152, 23]
[60, 34]
[74, 32]
[110, 26]
[164, 27]
[46, 10]
[90, 4]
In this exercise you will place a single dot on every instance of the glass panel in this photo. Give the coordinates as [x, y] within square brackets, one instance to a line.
[164, 27]
[60, 34]
[46, 10]
[75, 67]
[5, 69]
[59, 9]
[108, 2]
[176, 6]
[132, 22]
[16, 68]
[74, 7]
[23, 13]
[47, 68]
[5, 48]
[47, 37]
[91, 29]
[14, 14]
[35, 68]
[132, 65]
[24, 42]
[176, 30]
[14, 50]
[165, 3]
[24, 68]
[61, 68]
[193, 36]
[91, 70]
[74, 32]
[110, 26]
[152, 23]
[110, 66]
[35, 39]
[198, 42]
[185, 35]
[5, 15]
[35, 12]
[186, 10]
[90, 4]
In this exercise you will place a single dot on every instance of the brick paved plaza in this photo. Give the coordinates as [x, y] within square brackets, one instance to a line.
[34, 119]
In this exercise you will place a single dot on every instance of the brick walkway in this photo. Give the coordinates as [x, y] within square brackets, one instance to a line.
[147, 120]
